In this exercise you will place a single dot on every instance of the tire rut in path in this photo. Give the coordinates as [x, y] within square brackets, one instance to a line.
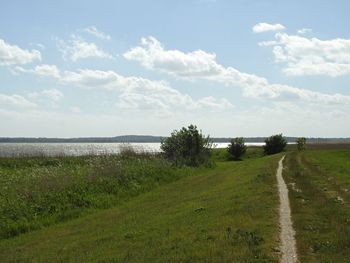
[288, 244]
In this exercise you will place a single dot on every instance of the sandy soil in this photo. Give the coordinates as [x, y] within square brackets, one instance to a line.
[288, 245]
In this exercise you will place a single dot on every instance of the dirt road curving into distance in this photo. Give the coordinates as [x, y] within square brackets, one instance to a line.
[288, 244]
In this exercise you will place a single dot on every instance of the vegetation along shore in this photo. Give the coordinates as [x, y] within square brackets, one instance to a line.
[190, 203]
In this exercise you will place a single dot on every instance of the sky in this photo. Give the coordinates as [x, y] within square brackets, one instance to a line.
[233, 68]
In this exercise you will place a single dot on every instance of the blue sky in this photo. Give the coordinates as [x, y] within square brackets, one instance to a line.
[233, 68]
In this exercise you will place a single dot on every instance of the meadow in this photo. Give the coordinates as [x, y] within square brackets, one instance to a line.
[221, 213]
[139, 208]
[319, 182]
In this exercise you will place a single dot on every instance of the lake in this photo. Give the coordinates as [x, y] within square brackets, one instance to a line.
[77, 149]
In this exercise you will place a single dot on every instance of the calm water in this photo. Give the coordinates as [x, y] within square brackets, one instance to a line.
[75, 149]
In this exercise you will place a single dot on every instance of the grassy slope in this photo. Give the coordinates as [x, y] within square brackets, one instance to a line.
[37, 192]
[226, 214]
[321, 219]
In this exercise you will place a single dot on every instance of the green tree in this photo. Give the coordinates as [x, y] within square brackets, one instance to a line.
[187, 146]
[236, 148]
[301, 143]
[275, 144]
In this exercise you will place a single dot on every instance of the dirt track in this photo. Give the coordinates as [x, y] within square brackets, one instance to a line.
[288, 244]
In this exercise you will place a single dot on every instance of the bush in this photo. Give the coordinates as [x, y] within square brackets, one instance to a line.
[301, 143]
[187, 146]
[275, 144]
[236, 148]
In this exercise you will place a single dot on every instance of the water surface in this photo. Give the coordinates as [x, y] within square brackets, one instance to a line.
[77, 149]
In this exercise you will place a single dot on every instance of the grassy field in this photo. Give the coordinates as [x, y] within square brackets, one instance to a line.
[319, 179]
[222, 214]
[139, 208]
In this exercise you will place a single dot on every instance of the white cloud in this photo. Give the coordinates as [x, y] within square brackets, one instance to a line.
[201, 65]
[77, 48]
[141, 93]
[47, 70]
[40, 70]
[303, 31]
[15, 101]
[90, 79]
[99, 34]
[265, 27]
[193, 64]
[14, 55]
[312, 56]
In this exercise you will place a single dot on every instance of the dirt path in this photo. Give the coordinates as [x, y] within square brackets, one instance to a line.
[288, 245]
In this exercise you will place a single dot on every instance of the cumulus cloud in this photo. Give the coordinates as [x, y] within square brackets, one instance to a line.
[14, 55]
[201, 65]
[95, 32]
[47, 70]
[265, 27]
[86, 78]
[40, 70]
[140, 93]
[152, 55]
[77, 48]
[15, 101]
[311, 56]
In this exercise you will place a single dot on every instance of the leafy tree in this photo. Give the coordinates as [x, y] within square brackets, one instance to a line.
[275, 144]
[301, 143]
[187, 146]
[236, 148]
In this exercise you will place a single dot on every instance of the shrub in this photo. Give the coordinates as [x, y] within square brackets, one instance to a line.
[187, 146]
[275, 144]
[236, 148]
[301, 143]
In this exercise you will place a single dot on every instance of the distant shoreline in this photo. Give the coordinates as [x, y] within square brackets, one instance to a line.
[148, 139]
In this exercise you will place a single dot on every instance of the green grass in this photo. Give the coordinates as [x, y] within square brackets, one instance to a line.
[40, 191]
[223, 214]
[221, 154]
[320, 202]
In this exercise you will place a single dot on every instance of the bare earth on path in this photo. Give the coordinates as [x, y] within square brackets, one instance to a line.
[288, 244]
